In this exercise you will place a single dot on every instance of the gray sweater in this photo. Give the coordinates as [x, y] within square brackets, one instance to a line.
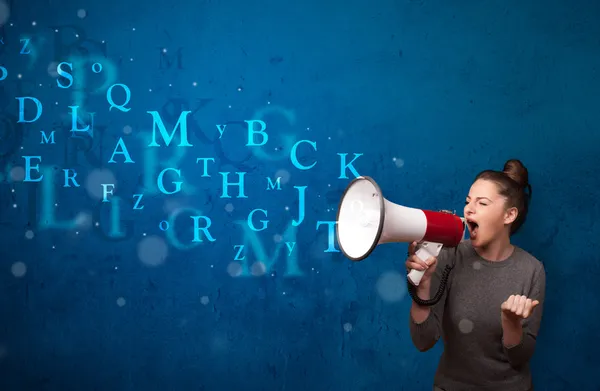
[468, 320]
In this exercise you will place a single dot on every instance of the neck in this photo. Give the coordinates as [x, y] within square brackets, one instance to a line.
[497, 250]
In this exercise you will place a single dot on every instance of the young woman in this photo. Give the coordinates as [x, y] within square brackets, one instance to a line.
[490, 312]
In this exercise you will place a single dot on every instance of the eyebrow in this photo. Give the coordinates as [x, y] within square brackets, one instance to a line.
[481, 198]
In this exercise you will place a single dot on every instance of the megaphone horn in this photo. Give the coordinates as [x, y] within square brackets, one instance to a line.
[365, 220]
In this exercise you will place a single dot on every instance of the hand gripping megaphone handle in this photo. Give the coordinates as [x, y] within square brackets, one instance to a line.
[425, 250]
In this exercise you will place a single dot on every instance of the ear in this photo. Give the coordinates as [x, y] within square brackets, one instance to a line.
[510, 215]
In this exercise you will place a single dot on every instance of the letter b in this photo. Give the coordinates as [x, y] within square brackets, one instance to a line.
[252, 132]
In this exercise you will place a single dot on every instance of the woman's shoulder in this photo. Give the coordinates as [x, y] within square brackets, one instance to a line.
[527, 260]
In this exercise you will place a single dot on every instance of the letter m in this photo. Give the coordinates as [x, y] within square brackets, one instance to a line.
[271, 185]
[254, 245]
[164, 58]
[46, 139]
[158, 123]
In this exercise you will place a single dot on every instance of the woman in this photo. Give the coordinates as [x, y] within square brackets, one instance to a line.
[490, 313]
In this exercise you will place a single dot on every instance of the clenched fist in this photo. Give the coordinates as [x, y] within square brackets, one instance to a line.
[517, 307]
[414, 262]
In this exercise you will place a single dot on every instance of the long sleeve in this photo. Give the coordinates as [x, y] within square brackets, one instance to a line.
[523, 351]
[425, 335]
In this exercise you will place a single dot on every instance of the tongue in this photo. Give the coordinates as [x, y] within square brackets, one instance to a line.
[474, 231]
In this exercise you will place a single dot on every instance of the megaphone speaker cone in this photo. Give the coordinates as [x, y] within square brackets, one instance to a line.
[360, 218]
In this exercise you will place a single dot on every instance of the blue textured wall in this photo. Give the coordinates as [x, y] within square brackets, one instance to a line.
[429, 92]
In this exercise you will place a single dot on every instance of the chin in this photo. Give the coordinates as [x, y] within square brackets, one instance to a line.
[477, 245]
[477, 242]
[480, 243]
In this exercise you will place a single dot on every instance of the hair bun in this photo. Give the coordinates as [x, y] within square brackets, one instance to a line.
[515, 170]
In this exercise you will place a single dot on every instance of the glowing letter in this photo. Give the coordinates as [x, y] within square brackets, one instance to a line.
[294, 157]
[123, 151]
[182, 121]
[349, 165]
[29, 167]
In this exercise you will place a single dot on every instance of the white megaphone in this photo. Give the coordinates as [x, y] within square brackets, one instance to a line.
[365, 219]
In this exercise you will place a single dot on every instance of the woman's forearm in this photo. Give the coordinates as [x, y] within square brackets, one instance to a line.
[512, 333]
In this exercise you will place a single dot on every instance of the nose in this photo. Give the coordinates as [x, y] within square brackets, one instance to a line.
[468, 209]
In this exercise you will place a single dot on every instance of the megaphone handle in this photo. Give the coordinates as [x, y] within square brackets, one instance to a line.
[425, 250]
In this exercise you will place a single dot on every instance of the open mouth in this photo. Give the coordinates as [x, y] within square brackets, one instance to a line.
[473, 226]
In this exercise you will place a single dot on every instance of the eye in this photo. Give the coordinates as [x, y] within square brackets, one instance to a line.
[484, 203]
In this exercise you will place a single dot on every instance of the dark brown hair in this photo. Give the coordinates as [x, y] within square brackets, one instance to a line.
[512, 182]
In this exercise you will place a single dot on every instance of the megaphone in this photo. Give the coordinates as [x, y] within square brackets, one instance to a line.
[365, 219]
